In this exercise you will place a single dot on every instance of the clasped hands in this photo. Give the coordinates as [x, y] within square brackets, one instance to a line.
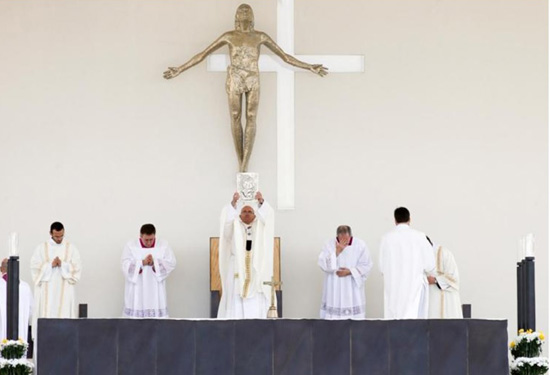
[148, 261]
[56, 262]
[343, 272]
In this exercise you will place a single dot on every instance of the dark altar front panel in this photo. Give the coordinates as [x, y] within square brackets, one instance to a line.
[271, 347]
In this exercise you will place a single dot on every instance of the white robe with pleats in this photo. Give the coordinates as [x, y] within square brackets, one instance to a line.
[405, 259]
[344, 297]
[145, 286]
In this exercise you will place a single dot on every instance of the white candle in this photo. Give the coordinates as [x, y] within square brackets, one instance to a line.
[13, 243]
[521, 249]
[529, 245]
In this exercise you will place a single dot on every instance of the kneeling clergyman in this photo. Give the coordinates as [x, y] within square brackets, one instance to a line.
[444, 285]
[346, 263]
[246, 258]
[146, 263]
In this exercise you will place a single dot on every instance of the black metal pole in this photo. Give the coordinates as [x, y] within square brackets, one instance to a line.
[12, 307]
[523, 294]
[530, 311]
[519, 295]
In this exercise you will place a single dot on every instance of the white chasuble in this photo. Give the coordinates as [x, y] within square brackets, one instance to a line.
[405, 259]
[242, 271]
[344, 297]
[25, 309]
[54, 287]
[145, 286]
[444, 297]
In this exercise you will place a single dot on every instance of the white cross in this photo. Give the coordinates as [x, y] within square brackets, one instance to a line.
[285, 93]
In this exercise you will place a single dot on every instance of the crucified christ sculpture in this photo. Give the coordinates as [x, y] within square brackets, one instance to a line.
[243, 76]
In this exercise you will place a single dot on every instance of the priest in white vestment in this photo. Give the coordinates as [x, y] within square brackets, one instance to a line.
[55, 269]
[406, 257]
[146, 263]
[25, 305]
[246, 258]
[346, 263]
[444, 285]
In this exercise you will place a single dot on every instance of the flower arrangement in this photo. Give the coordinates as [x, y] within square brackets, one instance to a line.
[526, 350]
[12, 361]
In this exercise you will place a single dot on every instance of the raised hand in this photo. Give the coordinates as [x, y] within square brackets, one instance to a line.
[340, 246]
[318, 69]
[236, 197]
[171, 73]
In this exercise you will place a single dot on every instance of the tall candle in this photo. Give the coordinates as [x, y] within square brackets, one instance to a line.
[13, 243]
[529, 245]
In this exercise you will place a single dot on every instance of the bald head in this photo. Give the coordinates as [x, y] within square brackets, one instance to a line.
[4, 266]
[247, 215]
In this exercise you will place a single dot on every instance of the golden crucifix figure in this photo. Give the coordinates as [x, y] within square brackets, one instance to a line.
[243, 76]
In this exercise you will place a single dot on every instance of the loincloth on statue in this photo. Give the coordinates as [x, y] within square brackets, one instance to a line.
[240, 81]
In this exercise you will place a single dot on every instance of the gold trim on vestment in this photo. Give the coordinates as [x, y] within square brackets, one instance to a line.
[439, 261]
[451, 279]
[441, 292]
[45, 305]
[439, 267]
[63, 281]
[247, 274]
[442, 301]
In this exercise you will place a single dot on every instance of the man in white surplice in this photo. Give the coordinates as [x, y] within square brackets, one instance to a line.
[146, 263]
[405, 259]
[444, 283]
[25, 305]
[246, 258]
[346, 263]
[55, 269]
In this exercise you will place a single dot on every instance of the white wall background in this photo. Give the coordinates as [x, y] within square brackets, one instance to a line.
[449, 119]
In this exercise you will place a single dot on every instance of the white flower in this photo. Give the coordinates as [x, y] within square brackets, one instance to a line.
[529, 336]
[529, 362]
[9, 343]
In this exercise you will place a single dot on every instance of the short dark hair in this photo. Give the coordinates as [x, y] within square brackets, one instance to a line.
[147, 229]
[343, 229]
[57, 226]
[401, 215]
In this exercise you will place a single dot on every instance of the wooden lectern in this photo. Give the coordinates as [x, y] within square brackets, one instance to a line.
[216, 283]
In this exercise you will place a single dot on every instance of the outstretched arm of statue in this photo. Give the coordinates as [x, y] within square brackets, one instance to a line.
[176, 71]
[318, 69]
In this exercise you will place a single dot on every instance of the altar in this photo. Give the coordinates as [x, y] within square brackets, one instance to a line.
[272, 347]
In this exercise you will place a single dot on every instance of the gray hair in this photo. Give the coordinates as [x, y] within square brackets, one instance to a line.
[343, 229]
